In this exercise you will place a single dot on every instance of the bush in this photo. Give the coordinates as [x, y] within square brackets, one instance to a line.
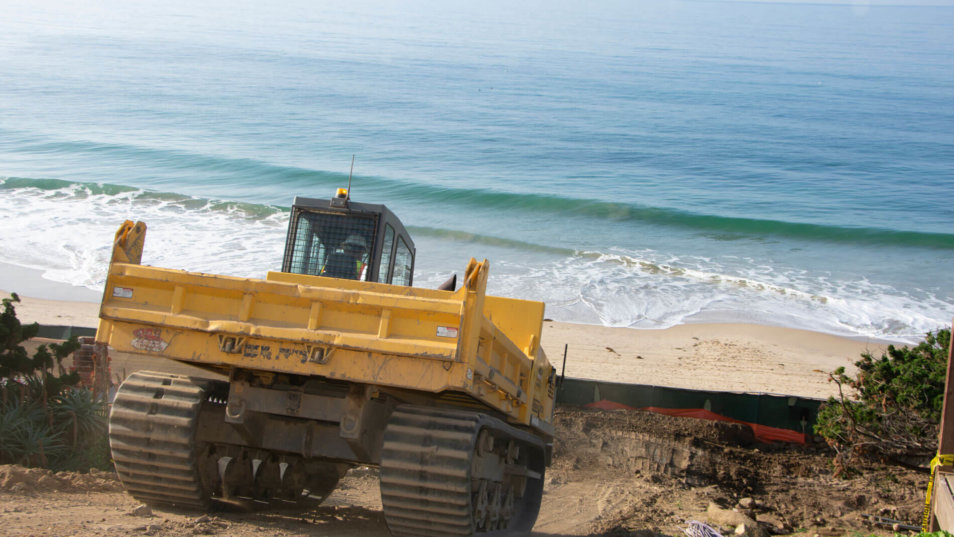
[896, 408]
[45, 419]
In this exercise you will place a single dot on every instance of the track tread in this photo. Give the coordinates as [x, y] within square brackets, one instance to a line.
[427, 484]
[425, 471]
[151, 430]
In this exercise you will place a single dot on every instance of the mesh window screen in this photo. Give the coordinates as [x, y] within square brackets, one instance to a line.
[333, 245]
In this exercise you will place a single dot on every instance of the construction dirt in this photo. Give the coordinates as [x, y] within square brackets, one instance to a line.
[614, 473]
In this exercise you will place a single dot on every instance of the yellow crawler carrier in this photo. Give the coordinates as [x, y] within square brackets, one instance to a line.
[334, 362]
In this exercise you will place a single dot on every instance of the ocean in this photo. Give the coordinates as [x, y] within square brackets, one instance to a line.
[631, 163]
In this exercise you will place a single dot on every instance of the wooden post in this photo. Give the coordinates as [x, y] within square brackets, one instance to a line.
[563, 372]
[945, 444]
[946, 440]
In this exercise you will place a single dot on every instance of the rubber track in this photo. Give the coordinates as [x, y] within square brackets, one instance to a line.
[425, 472]
[151, 434]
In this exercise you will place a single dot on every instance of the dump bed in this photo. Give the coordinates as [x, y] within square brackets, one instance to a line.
[463, 347]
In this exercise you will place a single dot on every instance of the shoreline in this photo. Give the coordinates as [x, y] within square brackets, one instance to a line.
[29, 282]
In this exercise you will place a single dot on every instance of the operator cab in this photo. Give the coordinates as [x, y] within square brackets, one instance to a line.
[340, 238]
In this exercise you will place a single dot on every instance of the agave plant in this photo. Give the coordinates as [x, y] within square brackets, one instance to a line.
[38, 445]
[79, 416]
[33, 388]
[25, 436]
[12, 417]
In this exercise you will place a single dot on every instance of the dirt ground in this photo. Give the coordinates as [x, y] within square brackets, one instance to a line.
[614, 473]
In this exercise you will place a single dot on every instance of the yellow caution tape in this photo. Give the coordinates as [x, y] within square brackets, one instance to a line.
[940, 460]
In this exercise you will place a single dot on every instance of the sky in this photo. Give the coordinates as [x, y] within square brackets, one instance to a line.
[862, 3]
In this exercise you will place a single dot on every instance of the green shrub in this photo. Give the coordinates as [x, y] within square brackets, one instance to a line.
[45, 419]
[893, 408]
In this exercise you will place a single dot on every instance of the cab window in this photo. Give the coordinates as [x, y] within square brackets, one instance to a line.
[403, 264]
[337, 246]
[386, 248]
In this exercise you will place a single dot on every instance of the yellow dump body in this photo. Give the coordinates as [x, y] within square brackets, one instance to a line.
[462, 346]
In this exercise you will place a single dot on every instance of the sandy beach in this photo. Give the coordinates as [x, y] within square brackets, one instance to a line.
[724, 357]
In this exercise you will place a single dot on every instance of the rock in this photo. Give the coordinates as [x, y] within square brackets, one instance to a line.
[743, 529]
[142, 510]
[202, 519]
[773, 521]
[746, 503]
[751, 530]
[717, 516]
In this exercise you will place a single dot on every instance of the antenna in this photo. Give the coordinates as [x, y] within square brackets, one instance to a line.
[349, 176]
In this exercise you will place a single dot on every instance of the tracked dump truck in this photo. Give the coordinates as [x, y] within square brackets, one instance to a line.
[335, 361]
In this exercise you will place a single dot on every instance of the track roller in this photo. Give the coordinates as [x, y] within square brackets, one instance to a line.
[255, 479]
[152, 434]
